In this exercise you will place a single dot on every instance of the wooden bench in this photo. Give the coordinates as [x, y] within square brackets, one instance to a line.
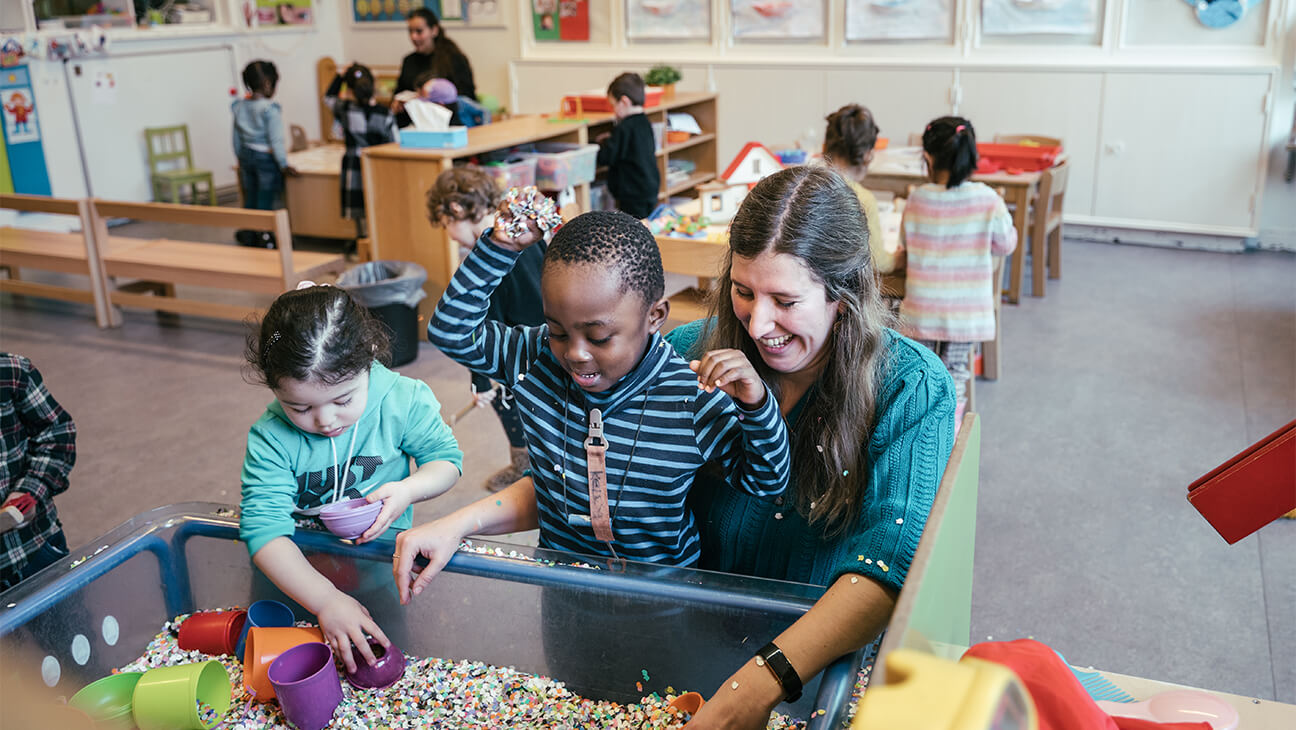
[161, 264]
[68, 253]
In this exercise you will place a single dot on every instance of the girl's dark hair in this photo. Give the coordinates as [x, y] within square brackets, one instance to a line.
[810, 212]
[314, 334]
[360, 80]
[461, 193]
[261, 76]
[850, 136]
[444, 51]
[951, 142]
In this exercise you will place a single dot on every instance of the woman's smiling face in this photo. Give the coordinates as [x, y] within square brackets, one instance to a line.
[785, 309]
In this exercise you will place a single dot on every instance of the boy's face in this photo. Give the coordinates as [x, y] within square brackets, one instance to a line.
[596, 331]
[465, 231]
[323, 409]
[620, 106]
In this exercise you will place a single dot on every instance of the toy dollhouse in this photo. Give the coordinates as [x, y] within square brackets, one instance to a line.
[720, 199]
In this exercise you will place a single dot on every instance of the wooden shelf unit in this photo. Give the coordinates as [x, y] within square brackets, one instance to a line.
[701, 149]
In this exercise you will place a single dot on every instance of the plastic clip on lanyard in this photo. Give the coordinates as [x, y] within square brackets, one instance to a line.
[595, 458]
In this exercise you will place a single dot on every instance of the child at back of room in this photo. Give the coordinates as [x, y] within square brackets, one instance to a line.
[365, 123]
[615, 422]
[259, 146]
[341, 426]
[952, 228]
[629, 151]
[441, 91]
[463, 201]
[848, 148]
[38, 443]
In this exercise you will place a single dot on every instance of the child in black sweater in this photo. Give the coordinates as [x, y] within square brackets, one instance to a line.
[463, 201]
[629, 152]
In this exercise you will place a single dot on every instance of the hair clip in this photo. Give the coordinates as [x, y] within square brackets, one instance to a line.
[305, 284]
[959, 128]
[272, 340]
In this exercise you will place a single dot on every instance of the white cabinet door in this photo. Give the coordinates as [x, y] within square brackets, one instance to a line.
[1054, 103]
[1181, 150]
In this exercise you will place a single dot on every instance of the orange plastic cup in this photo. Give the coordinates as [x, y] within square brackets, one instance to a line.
[689, 702]
[264, 645]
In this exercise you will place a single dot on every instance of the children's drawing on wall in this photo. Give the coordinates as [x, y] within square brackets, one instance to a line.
[778, 18]
[561, 20]
[272, 13]
[889, 20]
[1021, 17]
[668, 19]
[19, 117]
[484, 12]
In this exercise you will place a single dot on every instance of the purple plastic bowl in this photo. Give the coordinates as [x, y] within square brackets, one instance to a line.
[349, 518]
[389, 668]
[306, 683]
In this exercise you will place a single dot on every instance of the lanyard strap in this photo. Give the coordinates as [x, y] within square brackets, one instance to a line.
[595, 458]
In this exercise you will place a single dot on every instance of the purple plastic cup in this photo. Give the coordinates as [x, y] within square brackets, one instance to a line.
[385, 672]
[307, 685]
[349, 518]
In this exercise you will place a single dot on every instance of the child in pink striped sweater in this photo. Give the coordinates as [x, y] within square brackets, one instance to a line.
[951, 228]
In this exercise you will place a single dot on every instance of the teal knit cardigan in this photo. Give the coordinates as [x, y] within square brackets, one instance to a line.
[907, 454]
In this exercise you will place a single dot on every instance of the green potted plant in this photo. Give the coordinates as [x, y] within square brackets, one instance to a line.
[664, 76]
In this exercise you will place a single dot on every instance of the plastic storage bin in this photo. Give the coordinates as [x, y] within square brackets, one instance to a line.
[597, 101]
[1015, 157]
[600, 630]
[560, 165]
[515, 172]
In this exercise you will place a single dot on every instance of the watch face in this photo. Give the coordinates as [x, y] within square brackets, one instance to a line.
[1220, 13]
[1012, 713]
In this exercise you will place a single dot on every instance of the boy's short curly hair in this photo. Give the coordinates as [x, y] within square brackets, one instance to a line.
[462, 193]
[616, 242]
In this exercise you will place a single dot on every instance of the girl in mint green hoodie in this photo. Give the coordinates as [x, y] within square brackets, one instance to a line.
[341, 426]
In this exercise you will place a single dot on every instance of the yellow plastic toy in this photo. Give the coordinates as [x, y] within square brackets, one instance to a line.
[926, 692]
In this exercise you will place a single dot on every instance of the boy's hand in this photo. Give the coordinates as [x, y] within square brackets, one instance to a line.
[524, 215]
[344, 622]
[396, 498]
[602, 137]
[733, 373]
[437, 541]
[500, 235]
[485, 397]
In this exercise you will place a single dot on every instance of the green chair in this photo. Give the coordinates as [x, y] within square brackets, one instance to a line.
[171, 165]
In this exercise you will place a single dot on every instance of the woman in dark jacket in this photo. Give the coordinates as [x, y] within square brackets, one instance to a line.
[433, 52]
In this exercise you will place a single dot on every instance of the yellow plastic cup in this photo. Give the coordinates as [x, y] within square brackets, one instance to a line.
[184, 697]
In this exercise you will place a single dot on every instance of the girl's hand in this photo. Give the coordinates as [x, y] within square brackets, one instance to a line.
[733, 373]
[290, 171]
[396, 499]
[436, 541]
[344, 622]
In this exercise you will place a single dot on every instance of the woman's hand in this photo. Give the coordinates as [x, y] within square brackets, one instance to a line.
[397, 106]
[733, 373]
[396, 499]
[437, 541]
[747, 707]
[344, 622]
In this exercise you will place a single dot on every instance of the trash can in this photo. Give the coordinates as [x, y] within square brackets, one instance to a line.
[391, 291]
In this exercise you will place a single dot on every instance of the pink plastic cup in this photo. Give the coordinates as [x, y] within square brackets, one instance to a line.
[349, 518]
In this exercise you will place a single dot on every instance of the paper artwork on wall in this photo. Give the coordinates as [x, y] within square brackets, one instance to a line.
[668, 19]
[561, 20]
[278, 13]
[776, 19]
[893, 20]
[377, 11]
[1055, 17]
[484, 13]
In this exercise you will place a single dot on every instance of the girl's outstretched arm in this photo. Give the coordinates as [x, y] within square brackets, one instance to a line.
[342, 619]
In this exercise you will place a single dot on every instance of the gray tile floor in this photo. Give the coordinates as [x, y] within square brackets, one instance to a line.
[1141, 370]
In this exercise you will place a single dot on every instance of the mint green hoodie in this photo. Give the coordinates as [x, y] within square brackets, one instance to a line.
[287, 470]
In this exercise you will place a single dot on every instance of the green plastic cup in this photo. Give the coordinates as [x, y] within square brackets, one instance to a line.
[185, 697]
[109, 700]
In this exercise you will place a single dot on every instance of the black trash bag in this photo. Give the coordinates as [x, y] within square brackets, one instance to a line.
[391, 291]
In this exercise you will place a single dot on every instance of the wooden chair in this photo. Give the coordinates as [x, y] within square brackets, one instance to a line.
[170, 160]
[1038, 139]
[1046, 224]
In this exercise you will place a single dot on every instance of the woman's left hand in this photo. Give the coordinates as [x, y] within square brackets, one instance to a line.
[733, 373]
[746, 707]
[396, 499]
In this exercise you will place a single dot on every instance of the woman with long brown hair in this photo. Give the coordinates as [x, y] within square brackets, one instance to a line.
[433, 52]
[871, 414]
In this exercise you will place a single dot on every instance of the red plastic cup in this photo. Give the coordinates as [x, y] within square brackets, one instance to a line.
[212, 632]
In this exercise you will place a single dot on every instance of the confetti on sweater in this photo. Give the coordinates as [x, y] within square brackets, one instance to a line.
[439, 693]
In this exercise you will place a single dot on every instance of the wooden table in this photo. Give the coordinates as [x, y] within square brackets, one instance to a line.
[895, 169]
[397, 179]
[313, 197]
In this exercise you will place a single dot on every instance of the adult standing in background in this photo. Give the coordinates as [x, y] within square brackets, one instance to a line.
[433, 52]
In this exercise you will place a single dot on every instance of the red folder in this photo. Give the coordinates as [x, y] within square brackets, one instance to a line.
[1252, 489]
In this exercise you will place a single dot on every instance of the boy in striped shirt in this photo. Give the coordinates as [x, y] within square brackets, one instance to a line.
[616, 424]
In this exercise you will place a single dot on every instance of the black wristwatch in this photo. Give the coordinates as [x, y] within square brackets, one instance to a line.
[772, 658]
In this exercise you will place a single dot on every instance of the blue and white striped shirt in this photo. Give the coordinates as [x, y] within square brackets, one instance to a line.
[682, 428]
